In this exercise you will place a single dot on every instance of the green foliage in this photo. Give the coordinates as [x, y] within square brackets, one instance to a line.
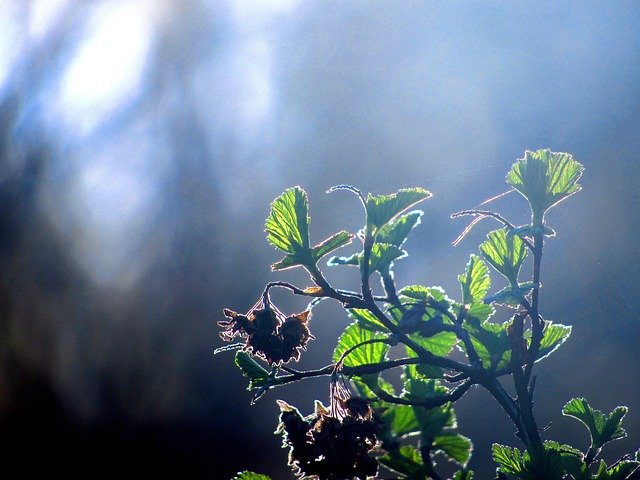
[381, 209]
[246, 475]
[602, 428]
[475, 281]
[545, 178]
[505, 253]
[287, 228]
[251, 369]
[360, 349]
[491, 342]
[443, 347]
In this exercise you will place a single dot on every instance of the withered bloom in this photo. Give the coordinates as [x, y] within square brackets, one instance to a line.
[324, 446]
[268, 333]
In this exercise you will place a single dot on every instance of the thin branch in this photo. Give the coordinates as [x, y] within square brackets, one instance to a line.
[346, 370]
[484, 214]
[455, 395]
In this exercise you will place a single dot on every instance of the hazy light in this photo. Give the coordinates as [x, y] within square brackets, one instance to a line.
[9, 44]
[43, 13]
[107, 69]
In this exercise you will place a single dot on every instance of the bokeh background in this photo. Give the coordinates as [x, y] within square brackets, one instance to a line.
[141, 142]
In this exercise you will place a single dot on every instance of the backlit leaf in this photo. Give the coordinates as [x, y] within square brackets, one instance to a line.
[545, 178]
[396, 231]
[250, 476]
[554, 335]
[505, 253]
[383, 208]
[602, 428]
[332, 243]
[369, 353]
[287, 225]
[475, 281]
[455, 446]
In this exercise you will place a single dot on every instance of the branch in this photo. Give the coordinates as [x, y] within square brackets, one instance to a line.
[455, 395]
[346, 370]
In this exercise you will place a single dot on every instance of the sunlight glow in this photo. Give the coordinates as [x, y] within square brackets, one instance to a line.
[108, 68]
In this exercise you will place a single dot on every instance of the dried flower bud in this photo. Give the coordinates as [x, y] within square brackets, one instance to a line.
[325, 447]
[267, 333]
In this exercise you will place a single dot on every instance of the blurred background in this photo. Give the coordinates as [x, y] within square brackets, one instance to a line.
[141, 142]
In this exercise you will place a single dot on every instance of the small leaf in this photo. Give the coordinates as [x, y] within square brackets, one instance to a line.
[456, 446]
[422, 293]
[621, 470]
[287, 225]
[395, 232]
[554, 335]
[463, 475]
[504, 253]
[332, 243]
[383, 208]
[249, 367]
[406, 461]
[383, 255]
[545, 178]
[475, 281]
[509, 459]
[602, 428]
[511, 296]
[246, 475]
[491, 342]
[350, 260]
[289, 261]
[381, 258]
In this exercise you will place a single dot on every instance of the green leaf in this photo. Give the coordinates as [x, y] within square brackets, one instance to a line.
[350, 260]
[439, 344]
[509, 459]
[289, 261]
[554, 335]
[401, 420]
[383, 208]
[463, 475]
[383, 255]
[511, 296]
[246, 475]
[455, 446]
[622, 470]
[480, 311]
[406, 461]
[422, 370]
[287, 225]
[491, 342]
[505, 253]
[381, 258]
[395, 232]
[602, 428]
[332, 243]
[545, 178]
[369, 353]
[475, 281]
[251, 369]
[422, 293]
[367, 320]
